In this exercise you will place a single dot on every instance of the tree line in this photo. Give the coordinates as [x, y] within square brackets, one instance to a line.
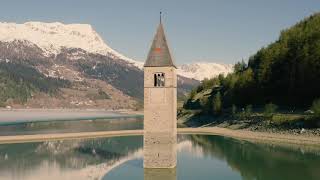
[19, 81]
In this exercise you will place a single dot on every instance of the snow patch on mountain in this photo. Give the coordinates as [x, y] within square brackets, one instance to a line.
[202, 70]
[51, 37]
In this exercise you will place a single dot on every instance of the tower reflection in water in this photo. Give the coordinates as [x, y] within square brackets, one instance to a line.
[160, 174]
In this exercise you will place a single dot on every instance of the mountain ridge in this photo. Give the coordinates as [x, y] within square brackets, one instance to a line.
[96, 81]
[52, 37]
[98, 75]
[202, 70]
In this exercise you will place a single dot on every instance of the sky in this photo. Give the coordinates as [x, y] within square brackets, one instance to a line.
[222, 31]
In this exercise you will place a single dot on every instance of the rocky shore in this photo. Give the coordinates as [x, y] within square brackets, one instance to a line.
[192, 119]
[263, 127]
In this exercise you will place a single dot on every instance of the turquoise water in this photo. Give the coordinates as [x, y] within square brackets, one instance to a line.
[200, 157]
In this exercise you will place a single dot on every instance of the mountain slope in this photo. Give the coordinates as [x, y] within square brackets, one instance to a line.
[81, 92]
[285, 72]
[19, 82]
[52, 37]
[99, 76]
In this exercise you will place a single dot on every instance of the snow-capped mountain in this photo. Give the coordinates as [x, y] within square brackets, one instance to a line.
[52, 37]
[202, 70]
[76, 52]
[75, 62]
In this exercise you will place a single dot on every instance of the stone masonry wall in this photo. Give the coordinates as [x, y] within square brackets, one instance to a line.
[160, 129]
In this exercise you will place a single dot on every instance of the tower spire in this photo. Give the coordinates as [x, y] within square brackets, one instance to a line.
[159, 54]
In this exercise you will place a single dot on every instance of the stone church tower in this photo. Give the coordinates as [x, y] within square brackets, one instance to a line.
[160, 105]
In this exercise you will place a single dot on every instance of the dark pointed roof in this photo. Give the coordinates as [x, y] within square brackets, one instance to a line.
[159, 54]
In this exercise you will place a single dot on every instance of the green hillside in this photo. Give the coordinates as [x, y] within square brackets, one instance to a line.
[286, 73]
[19, 81]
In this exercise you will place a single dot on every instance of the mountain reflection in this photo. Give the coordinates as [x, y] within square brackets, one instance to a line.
[78, 157]
[121, 158]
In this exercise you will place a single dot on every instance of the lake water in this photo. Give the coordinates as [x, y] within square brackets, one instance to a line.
[200, 157]
[38, 121]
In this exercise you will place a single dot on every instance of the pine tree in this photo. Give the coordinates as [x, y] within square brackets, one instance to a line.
[217, 103]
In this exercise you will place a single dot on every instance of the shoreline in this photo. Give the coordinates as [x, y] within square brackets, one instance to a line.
[14, 116]
[257, 137]
[69, 110]
[296, 128]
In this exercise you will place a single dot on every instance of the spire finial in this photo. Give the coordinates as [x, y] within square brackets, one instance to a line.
[160, 16]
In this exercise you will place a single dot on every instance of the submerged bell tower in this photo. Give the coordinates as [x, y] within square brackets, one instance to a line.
[160, 105]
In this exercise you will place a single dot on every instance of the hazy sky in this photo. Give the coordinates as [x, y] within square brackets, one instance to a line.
[197, 30]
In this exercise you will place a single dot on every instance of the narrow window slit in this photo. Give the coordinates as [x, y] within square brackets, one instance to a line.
[159, 79]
